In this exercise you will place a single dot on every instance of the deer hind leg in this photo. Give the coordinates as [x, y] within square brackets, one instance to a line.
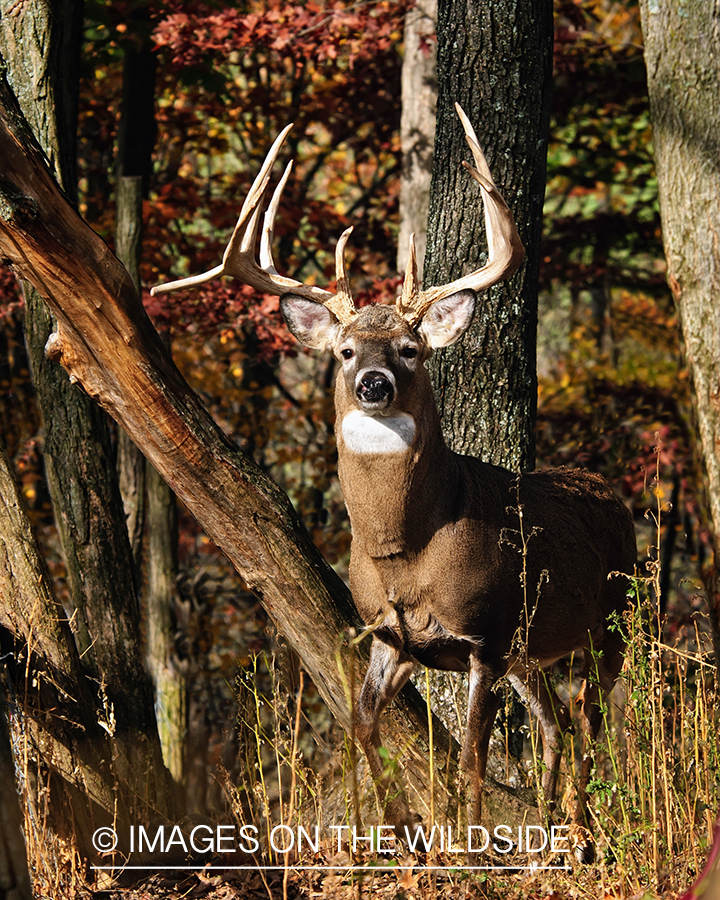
[599, 673]
[554, 719]
[483, 704]
[387, 673]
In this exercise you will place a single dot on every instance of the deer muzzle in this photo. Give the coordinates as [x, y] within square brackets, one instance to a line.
[375, 390]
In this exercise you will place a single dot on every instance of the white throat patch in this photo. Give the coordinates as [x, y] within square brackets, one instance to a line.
[378, 434]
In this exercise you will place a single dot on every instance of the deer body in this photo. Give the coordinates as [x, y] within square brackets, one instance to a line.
[440, 532]
[457, 564]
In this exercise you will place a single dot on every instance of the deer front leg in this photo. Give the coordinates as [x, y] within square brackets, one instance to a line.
[483, 704]
[388, 671]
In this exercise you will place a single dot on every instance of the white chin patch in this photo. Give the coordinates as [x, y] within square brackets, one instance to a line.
[378, 434]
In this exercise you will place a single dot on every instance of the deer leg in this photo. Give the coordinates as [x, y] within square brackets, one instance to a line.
[388, 671]
[554, 719]
[483, 704]
[599, 673]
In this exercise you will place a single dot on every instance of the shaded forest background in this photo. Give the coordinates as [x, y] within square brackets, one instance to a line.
[613, 393]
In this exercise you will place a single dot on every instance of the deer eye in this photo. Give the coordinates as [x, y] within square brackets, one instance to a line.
[347, 353]
[409, 352]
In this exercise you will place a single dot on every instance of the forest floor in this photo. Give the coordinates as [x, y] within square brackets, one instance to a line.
[321, 884]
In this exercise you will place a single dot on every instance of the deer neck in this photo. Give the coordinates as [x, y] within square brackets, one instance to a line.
[396, 471]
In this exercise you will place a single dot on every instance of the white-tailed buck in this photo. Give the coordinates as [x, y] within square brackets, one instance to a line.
[460, 565]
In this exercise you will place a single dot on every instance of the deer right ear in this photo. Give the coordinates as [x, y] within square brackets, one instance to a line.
[312, 323]
[448, 319]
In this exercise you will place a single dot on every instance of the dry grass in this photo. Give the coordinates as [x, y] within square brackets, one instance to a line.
[654, 794]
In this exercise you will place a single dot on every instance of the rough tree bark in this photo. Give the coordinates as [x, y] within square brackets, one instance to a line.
[683, 71]
[495, 59]
[63, 717]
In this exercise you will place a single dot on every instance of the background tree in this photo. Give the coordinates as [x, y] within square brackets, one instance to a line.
[417, 128]
[148, 501]
[684, 88]
[494, 59]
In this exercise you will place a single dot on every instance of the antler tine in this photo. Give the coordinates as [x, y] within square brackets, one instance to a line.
[342, 304]
[268, 232]
[239, 257]
[505, 249]
[404, 304]
[474, 144]
[245, 234]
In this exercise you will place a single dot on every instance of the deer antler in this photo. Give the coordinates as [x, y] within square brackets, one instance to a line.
[505, 249]
[239, 257]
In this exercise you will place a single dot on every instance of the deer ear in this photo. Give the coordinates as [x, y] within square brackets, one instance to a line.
[312, 323]
[448, 319]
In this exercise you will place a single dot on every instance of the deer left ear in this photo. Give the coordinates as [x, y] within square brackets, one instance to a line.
[312, 323]
[448, 319]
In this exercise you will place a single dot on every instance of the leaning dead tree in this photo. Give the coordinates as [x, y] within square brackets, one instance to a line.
[109, 347]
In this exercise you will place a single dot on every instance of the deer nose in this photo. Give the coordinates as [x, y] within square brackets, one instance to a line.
[375, 387]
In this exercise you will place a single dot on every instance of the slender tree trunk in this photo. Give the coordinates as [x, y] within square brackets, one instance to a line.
[130, 461]
[495, 59]
[136, 141]
[683, 70]
[160, 603]
[417, 127]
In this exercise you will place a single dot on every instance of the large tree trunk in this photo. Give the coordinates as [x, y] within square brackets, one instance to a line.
[64, 720]
[683, 70]
[495, 59]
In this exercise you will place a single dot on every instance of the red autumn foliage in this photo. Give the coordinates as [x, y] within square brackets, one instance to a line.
[298, 32]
